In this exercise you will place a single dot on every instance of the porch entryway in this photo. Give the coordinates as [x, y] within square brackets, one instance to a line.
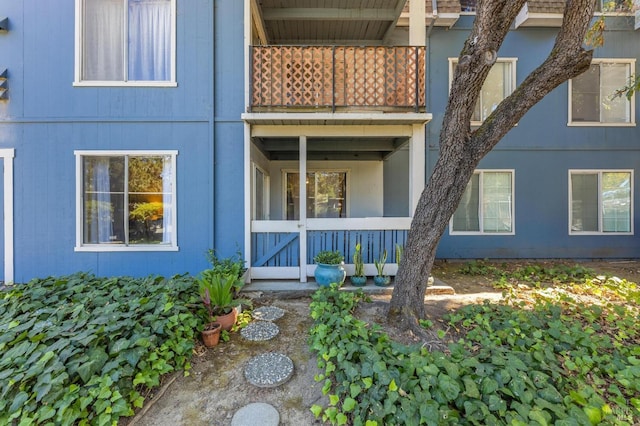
[329, 187]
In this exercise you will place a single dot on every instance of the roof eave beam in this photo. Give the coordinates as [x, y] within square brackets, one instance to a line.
[258, 21]
[330, 14]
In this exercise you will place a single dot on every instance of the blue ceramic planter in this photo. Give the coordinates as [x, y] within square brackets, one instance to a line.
[358, 281]
[327, 274]
[382, 280]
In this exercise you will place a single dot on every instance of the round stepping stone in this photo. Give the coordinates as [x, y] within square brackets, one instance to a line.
[268, 370]
[268, 313]
[260, 330]
[257, 413]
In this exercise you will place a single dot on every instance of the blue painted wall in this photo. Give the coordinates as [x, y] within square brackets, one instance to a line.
[541, 150]
[46, 119]
[229, 128]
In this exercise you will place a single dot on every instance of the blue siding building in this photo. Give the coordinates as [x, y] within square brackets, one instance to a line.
[136, 135]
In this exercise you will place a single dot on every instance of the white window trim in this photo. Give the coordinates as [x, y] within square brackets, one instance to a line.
[599, 189]
[480, 212]
[266, 191]
[513, 61]
[632, 123]
[313, 170]
[81, 247]
[78, 82]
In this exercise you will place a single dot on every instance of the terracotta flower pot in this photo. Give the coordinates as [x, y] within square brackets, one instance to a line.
[227, 320]
[211, 334]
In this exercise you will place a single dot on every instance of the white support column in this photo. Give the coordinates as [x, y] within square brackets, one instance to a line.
[248, 199]
[417, 27]
[247, 51]
[302, 224]
[417, 156]
[7, 155]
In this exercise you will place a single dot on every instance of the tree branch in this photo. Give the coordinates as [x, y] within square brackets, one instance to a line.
[567, 60]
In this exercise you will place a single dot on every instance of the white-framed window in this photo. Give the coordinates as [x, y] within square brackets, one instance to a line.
[600, 202]
[125, 43]
[614, 6]
[592, 99]
[260, 194]
[126, 200]
[500, 83]
[327, 194]
[468, 5]
[487, 205]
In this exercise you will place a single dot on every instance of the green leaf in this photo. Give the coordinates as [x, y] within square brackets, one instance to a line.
[42, 386]
[18, 401]
[349, 404]
[471, 389]
[316, 410]
[594, 414]
[333, 399]
[133, 355]
[392, 386]
[448, 386]
[354, 390]
[97, 358]
[45, 412]
[119, 345]
[538, 416]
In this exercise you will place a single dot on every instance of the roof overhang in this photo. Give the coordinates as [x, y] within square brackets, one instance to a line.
[529, 18]
[306, 21]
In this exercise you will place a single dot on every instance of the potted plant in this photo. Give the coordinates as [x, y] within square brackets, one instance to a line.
[329, 268]
[218, 292]
[381, 279]
[358, 278]
[211, 334]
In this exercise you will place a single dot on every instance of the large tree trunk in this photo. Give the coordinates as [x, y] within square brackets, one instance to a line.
[462, 149]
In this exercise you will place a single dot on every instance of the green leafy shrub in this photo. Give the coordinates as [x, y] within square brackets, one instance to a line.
[328, 257]
[82, 349]
[565, 356]
[233, 265]
[508, 274]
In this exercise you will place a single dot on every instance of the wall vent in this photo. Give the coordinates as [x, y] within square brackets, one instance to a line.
[3, 85]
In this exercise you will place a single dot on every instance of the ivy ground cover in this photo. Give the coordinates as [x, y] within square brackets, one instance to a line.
[567, 356]
[83, 350]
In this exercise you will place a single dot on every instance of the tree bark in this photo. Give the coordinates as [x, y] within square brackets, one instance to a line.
[461, 149]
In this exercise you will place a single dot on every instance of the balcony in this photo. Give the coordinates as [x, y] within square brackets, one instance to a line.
[337, 78]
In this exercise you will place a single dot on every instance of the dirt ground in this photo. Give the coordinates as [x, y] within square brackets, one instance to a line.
[216, 387]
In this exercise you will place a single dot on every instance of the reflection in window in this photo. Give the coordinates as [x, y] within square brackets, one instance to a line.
[624, 6]
[468, 5]
[486, 205]
[600, 202]
[326, 194]
[593, 98]
[127, 200]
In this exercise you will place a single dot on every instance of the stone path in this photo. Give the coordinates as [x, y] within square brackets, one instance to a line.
[267, 370]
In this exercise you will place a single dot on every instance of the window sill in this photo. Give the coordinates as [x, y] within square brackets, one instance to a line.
[601, 234]
[125, 84]
[482, 234]
[599, 124]
[122, 248]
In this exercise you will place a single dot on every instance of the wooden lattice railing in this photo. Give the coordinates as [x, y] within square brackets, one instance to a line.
[338, 76]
